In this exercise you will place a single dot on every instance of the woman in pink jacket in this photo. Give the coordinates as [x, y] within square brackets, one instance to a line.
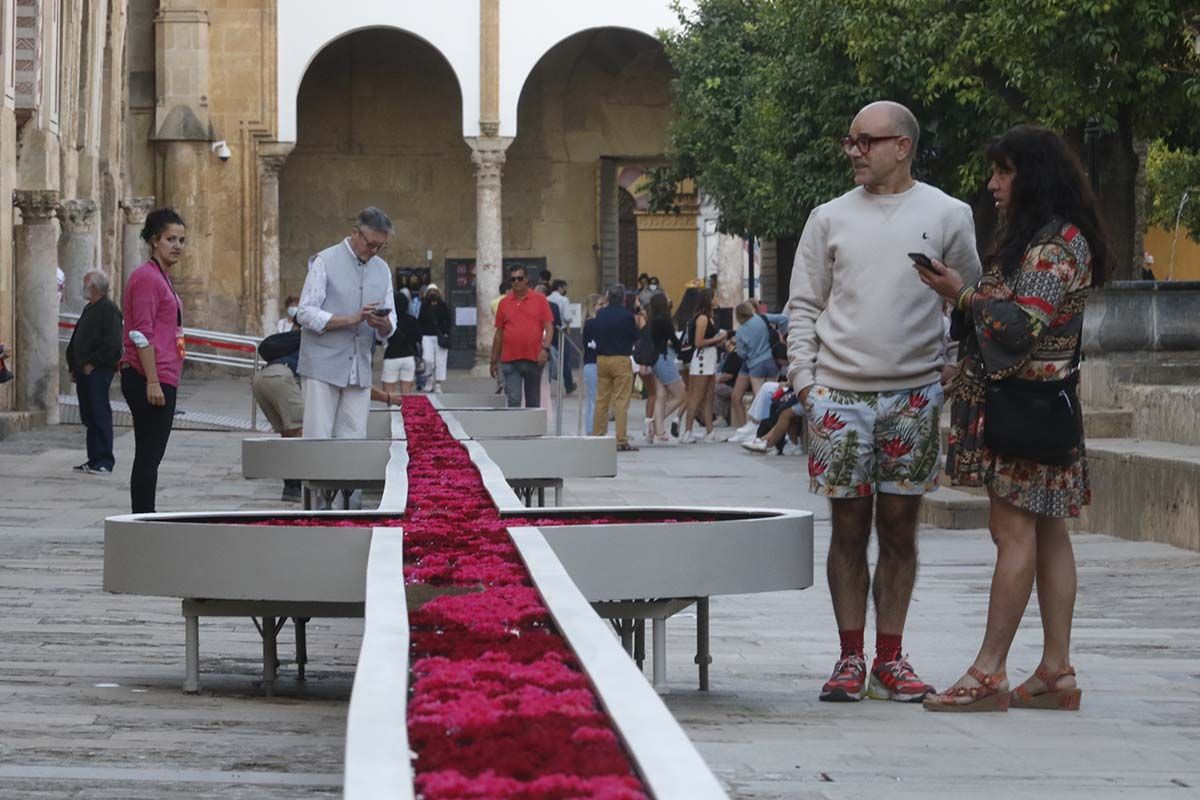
[153, 351]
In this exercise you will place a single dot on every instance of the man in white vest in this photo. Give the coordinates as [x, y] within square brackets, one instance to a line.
[345, 308]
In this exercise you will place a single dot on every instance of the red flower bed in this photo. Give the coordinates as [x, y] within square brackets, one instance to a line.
[498, 706]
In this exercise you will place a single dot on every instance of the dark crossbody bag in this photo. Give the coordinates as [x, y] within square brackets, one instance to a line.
[1040, 421]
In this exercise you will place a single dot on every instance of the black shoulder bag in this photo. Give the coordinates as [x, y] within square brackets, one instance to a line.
[1040, 421]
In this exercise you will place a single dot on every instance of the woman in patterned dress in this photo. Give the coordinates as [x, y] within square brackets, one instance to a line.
[1024, 319]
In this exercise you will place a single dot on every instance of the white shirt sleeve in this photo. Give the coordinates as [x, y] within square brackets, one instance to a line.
[812, 282]
[389, 302]
[310, 315]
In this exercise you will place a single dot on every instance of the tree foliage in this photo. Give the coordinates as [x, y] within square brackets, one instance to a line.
[1170, 173]
[765, 88]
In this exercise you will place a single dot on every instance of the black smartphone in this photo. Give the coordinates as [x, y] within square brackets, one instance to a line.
[922, 261]
[380, 312]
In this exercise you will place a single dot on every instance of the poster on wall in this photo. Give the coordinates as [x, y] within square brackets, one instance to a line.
[460, 294]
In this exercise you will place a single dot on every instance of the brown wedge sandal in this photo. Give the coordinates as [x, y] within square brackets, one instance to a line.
[987, 696]
[1052, 699]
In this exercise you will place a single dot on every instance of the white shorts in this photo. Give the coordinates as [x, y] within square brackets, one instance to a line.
[704, 362]
[399, 370]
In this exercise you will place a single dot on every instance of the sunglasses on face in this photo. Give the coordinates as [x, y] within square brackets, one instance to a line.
[517, 278]
[863, 142]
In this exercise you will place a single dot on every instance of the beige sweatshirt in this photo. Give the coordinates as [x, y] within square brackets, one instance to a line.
[860, 318]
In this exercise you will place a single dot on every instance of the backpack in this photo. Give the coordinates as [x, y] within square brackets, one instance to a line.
[644, 351]
[686, 349]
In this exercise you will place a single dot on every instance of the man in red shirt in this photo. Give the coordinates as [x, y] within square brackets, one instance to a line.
[524, 331]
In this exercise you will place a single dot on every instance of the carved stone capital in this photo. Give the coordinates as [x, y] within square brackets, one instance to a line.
[271, 158]
[489, 165]
[37, 205]
[136, 209]
[489, 129]
[78, 215]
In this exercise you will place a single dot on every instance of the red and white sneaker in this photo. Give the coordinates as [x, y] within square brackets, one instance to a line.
[848, 680]
[896, 680]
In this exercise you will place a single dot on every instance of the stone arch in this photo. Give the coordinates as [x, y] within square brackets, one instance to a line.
[379, 122]
[307, 27]
[595, 103]
[531, 30]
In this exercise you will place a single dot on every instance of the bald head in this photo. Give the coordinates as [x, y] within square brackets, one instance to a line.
[892, 116]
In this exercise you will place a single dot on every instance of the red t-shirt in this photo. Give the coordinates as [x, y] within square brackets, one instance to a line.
[523, 322]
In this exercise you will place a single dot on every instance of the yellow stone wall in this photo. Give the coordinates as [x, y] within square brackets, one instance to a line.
[667, 250]
[1187, 254]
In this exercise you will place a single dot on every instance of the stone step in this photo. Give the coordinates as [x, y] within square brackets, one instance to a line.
[1162, 413]
[12, 422]
[955, 509]
[1098, 423]
[184, 420]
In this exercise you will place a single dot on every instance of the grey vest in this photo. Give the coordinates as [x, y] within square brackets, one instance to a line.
[328, 356]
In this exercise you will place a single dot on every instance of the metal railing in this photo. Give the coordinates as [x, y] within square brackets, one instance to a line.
[223, 349]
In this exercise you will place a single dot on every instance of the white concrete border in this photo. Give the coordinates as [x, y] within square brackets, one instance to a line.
[664, 756]
[377, 754]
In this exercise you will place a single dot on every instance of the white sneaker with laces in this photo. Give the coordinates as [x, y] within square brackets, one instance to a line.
[711, 438]
[755, 446]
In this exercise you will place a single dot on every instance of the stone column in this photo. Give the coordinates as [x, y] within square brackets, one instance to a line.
[133, 250]
[488, 157]
[35, 352]
[76, 249]
[270, 161]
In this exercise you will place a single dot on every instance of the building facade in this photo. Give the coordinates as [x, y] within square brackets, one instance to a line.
[492, 131]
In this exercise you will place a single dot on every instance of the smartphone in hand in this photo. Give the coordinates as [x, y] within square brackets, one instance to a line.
[922, 261]
[380, 312]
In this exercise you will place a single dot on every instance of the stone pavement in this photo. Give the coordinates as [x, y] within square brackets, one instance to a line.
[89, 683]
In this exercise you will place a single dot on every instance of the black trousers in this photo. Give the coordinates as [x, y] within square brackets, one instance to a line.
[151, 430]
[95, 413]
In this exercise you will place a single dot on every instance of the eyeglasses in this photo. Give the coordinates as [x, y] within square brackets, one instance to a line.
[864, 142]
[372, 247]
[516, 278]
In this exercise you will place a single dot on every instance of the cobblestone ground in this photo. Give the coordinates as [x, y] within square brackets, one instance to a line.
[89, 682]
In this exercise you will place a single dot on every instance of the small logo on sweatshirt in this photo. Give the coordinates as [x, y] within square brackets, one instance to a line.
[924, 235]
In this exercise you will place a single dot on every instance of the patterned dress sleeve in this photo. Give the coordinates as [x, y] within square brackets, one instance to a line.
[1009, 325]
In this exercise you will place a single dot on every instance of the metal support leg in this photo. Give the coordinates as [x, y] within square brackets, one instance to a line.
[558, 493]
[269, 632]
[639, 644]
[660, 652]
[306, 496]
[625, 629]
[346, 499]
[541, 496]
[191, 678]
[301, 646]
[703, 656]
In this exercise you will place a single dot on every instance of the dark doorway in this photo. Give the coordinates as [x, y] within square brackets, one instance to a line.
[627, 240]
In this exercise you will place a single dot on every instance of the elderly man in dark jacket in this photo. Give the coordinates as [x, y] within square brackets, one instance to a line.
[92, 357]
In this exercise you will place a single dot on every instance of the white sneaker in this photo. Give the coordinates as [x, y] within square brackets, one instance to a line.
[711, 438]
[688, 437]
[749, 427]
[755, 446]
[744, 436]
[791, 449]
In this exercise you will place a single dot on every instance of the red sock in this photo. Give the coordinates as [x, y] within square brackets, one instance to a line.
[887, 646]
[852, 642]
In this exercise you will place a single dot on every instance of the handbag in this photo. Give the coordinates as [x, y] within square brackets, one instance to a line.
[1040, 421]
[443, 341]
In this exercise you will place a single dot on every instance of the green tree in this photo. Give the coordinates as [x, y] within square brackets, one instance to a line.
[1173, 188]
[764, 89]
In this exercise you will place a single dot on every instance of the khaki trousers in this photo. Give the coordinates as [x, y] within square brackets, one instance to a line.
[614, 382]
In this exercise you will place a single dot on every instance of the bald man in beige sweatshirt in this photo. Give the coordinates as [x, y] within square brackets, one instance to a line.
[865, 350]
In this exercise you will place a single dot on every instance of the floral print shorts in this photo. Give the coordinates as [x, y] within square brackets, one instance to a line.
[861, 443]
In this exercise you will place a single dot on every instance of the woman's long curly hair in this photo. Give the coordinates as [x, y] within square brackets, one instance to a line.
[1049, 185]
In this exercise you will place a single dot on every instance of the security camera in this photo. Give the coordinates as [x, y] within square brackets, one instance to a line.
[222, 150]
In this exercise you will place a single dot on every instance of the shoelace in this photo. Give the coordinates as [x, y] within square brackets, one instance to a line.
[901, 669]
[849, 665]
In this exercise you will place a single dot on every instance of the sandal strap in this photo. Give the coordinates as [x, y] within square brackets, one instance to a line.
[1050, 679]
[992, 682]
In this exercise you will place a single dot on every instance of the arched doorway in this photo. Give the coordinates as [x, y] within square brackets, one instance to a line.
[597, 102]
[379, 117]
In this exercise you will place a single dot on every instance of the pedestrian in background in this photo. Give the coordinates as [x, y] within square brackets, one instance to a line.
[615, 332]
[592, 305]
[669, 394]
[521, 347]
[276, 389]
[403, 351]
[92, 357]
[152, 352]
[704, 335]
[435, 337]
[288, 321]
[1015, 423]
